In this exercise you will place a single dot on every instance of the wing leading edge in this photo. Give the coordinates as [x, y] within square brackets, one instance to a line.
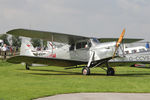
[46, 61]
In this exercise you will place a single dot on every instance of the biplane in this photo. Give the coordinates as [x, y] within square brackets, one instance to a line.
[88, 52]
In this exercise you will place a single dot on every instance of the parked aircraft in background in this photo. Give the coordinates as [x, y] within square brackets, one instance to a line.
[135, 49]
[88, 52]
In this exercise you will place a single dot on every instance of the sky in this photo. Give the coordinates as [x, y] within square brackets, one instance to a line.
[96, 18]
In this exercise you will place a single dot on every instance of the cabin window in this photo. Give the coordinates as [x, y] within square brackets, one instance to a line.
[72, 47]
[95, 40]
[81, 45]
[78, 45]
[84, 45]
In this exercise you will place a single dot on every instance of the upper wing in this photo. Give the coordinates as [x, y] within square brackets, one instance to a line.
[61, 37]
[49, 36]
[125, 40]
[42, 60]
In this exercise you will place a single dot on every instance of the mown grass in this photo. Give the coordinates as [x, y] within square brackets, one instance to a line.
[16, 83]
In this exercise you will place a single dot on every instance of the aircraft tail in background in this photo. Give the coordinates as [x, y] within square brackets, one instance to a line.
[27, 48]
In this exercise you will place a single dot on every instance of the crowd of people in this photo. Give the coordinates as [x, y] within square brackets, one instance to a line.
[7, 51]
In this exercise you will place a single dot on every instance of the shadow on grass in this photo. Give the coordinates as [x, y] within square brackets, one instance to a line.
[134, 74]
[56, 72]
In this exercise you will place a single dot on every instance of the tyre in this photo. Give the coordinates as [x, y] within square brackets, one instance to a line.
[110, 72]
[86, 71]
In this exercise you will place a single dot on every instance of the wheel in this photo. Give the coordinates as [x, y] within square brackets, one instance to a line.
[27, 67]
[86, 71]
[110, 72]
[132, 65]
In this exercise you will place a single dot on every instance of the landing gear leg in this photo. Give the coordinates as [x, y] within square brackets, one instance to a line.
[86, 71]
[110, 70]
[27, 67]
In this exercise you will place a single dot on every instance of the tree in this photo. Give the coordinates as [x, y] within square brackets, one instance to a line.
[4, 37]
[44, 44]
[16, 41]
[36, 42]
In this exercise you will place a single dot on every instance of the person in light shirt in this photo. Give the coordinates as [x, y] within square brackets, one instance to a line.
[4, 49]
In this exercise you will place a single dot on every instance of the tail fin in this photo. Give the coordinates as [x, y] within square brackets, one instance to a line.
[26, 48]
[29, 45]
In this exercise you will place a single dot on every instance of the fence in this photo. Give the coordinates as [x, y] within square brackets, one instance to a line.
[8, 54]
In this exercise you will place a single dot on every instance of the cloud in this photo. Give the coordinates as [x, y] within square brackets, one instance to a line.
[129, 5]
[100, 18]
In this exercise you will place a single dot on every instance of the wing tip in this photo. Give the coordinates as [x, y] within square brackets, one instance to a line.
[13, 30]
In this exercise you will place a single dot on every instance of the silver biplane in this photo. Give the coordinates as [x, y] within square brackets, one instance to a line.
[88, 52]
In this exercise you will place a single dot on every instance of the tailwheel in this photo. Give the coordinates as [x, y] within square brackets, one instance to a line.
[27, 67]
[110, 72]
[86, 71]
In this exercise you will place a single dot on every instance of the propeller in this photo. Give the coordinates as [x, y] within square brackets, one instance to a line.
[118, 42]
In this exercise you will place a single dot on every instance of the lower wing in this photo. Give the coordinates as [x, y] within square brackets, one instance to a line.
[47, 61]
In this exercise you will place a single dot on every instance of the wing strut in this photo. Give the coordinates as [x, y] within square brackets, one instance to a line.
[91, 58]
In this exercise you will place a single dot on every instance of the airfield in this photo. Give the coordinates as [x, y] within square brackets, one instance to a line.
[20, 84]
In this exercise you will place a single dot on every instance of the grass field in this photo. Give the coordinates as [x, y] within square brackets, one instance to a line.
[16, 83]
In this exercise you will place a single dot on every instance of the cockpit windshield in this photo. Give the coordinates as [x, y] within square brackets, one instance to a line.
[95, 40]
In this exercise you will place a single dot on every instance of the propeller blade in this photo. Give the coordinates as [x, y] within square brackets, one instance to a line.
[119, 42]
[120, 38]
